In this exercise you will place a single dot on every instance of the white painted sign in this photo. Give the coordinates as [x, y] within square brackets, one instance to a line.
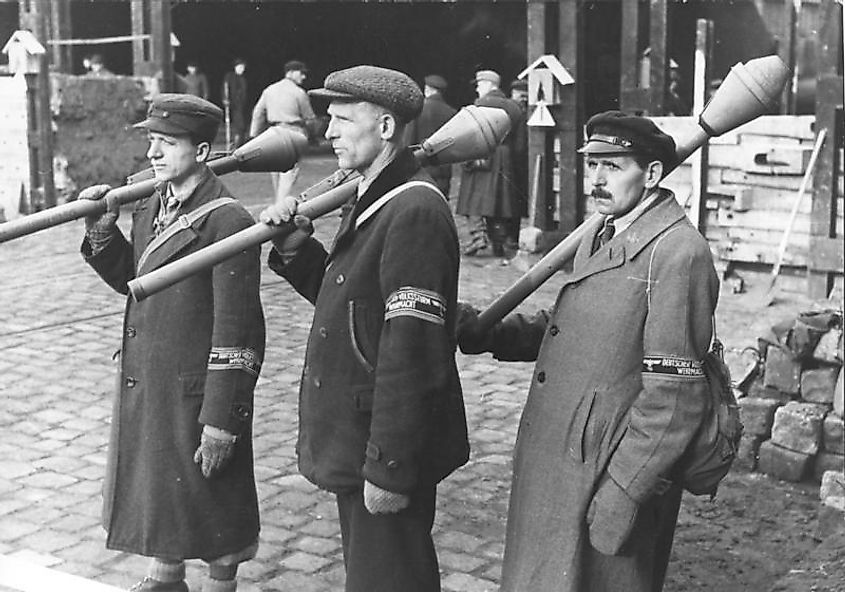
[14, 150]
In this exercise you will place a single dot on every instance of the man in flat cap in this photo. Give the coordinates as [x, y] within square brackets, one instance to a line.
[490, 195]
[618, 390]
[381, 415]
[435, 112]
[284, 103]
[179, 480]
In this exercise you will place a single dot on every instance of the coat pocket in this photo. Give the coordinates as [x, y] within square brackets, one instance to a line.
[359, 335]
[192, 383]
[578, 430]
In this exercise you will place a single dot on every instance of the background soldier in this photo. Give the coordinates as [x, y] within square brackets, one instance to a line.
[435, 112]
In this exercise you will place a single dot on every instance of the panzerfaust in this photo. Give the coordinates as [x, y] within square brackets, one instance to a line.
[472, 133]
[274, 150]
[748, 91]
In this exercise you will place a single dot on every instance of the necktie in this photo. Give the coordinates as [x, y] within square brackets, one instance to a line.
[605, 234]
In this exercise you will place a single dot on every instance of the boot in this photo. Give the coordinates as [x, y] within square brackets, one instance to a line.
[149, 584]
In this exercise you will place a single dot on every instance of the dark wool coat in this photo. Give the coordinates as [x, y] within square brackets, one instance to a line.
[435, 112]
[489, 186]
[616, 392]
[156, 500]
[380, 397]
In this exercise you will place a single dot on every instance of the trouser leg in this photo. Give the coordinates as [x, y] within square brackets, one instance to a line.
[222, 571]
[497, 230]
[389, 552]
[477, 235]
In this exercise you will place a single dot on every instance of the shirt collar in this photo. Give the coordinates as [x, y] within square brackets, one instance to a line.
[623, 222]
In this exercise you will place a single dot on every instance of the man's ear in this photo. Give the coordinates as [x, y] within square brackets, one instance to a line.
[388, 126]
[203, 151]
[653, 174]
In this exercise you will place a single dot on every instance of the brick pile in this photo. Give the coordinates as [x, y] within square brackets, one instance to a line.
[793, 409]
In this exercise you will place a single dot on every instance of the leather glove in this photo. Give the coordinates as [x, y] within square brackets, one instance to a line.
[99, 223]
[381, 501]
[611, 517]
[215, 451]
[470, 338]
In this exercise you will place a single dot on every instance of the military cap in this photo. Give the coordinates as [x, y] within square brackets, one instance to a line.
[436, 81]
[295, 66]
[489, 76]
[615, 132]
[390, 89]
[182, 115]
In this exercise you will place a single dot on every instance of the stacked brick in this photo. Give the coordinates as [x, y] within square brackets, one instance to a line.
[793, 409]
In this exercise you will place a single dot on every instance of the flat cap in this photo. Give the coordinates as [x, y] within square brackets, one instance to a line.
[436, 81]
[390, 89]
[295, 66]
[520, 84]
[489, 76]
[615, 132]
[182, 115]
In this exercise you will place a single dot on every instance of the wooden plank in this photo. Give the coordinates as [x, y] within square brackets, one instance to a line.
[767, 220]
[826, 254]
[752, 252]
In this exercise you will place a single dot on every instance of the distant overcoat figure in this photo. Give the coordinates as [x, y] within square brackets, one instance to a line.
[435, 112]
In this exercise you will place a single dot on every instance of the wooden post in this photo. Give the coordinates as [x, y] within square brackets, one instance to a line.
[658, 32]
[539, 140]
[699, 159]
[632, 97]
[33, 16]
[60, 28]
[141, 53]
[570, 117]
[162, 52]
[826, 249]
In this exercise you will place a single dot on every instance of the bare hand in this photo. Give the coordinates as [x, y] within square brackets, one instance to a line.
[280, 212]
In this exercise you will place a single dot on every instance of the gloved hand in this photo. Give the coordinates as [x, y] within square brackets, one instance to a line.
[99, 223]
[611, 517]
[215, 450]
[381, 501]
[470, 338]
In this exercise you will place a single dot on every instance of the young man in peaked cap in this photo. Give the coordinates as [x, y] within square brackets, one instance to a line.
[381, 412]
[179, 481]
[618, 391]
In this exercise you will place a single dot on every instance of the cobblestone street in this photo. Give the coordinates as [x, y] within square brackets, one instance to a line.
[59, 328]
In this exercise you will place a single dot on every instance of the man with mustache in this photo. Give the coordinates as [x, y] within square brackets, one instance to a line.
[381, 415]
[618, 390]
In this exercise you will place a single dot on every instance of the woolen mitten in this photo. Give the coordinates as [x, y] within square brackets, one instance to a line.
[99, 224]
[381, 501]
[611, 517]
[471, 339]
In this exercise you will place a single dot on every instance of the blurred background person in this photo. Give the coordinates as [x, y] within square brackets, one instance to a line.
[235, 101]
[435, 112]
[195, 82]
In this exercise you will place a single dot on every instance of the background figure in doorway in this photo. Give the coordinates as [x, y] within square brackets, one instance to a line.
[235, 101]
[98, 67]
[487, 188]
[284, 103]
[435, 112]
[519, 142]
[195, 82]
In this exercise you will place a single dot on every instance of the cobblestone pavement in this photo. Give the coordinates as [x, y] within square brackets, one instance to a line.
[59, 327]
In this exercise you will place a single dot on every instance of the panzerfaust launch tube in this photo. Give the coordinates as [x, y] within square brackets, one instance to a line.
[276, 149]
[748, 91]
[472, 133]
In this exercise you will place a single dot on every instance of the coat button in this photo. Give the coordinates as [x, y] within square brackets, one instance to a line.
[554, 330]
[541, 377]
[130, 332]
[340, 279]
[324, 332]
[318, 382]
[393, 464]
[130, 382]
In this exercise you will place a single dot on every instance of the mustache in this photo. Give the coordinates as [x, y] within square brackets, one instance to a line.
[600, 193]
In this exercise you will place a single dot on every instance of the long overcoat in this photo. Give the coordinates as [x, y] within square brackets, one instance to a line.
[190, 356]
[617, 392]
[380, 397]
[435, 112]
[489, 186]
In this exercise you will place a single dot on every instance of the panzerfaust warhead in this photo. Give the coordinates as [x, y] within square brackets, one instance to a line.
[472, 133]
[274, 150]
[748, 91]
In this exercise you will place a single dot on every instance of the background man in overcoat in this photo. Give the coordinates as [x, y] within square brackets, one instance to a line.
[381, 414]
[435, 112]
[179, 482]
[234, 95]
[284, 103]
[489, 193]
[618, 391]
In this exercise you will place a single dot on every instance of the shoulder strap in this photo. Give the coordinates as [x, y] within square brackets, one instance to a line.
[380, 202]
[183, 222]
